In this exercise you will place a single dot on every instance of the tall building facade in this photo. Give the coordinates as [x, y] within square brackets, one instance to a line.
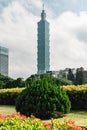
[4, 61]
[43, 53]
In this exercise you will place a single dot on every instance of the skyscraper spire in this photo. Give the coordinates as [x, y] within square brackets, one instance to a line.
[43, 6]
[43, 14]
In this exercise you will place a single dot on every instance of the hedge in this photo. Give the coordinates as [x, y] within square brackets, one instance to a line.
[77, 96]
[8, 96]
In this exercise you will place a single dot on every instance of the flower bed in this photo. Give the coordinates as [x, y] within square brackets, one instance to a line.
[59, 124]
[21, 122]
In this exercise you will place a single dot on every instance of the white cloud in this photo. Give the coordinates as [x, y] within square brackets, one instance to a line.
[18, 32]
[68, 50]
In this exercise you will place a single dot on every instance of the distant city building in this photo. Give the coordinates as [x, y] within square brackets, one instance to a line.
[4, 61]
[53, 73]
[84, 74]
[64, 73]
[43, 53]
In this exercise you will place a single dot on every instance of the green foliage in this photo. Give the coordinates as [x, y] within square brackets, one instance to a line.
[79, 77]
[8, 96]
[4, 80]
[19, 82]
[50, 79]
[31, 79]
[1, 84]
[7, 82]
[20, 122]
[62, 81]
[43, 100]
[77, 96]
[71, 76]
[62, 124]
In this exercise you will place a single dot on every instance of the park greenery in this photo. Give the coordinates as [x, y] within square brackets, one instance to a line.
[44, 96]
[8, 82]
[16, 121]
[80, 117]
[77, 79]
[43, 99]
[76, 94]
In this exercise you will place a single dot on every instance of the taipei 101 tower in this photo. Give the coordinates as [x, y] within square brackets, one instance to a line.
[43, 53]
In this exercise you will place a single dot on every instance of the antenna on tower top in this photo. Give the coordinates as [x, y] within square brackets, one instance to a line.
[43, 6]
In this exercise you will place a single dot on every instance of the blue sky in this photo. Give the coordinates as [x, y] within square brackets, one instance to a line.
[68, 34]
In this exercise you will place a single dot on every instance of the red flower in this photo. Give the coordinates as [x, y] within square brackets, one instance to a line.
[48, 125]
[70, 122]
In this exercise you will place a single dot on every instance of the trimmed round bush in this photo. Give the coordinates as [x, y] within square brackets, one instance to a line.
[43, 100]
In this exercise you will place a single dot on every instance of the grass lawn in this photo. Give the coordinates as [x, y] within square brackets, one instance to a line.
[80, 117]
[7, 110]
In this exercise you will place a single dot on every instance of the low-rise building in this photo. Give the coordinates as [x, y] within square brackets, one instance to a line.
[64, 73]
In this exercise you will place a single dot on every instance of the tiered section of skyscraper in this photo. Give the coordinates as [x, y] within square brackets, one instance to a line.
[43, 54]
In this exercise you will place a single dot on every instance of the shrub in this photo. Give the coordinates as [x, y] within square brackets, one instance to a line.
[77, 96]
[16, 121]
[49, 78]
[58, 124]
[63, 81]
[43, 100]
[21, 122]
[8, 96]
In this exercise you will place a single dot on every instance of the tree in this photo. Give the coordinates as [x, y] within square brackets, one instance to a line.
[6, 81]
[1, 84]
[43, 99]
[71, 76]
[49, 78]
[19, 82]
[79, 77]
[31, 79]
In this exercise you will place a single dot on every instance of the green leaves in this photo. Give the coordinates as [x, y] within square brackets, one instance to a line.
[20, 122]
[43, 99]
